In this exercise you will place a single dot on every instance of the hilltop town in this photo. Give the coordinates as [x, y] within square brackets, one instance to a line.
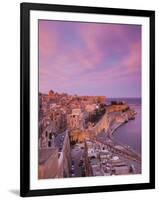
[76, 137]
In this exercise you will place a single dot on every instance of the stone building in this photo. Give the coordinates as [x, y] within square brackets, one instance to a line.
[64, 157]
[46, 137]
[59, 121]
[48, 163]
[55, 160]
[76, 120]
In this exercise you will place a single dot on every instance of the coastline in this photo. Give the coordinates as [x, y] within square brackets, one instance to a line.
[130, 133]
[111, 133]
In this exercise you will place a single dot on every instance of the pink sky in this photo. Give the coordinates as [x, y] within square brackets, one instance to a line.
[90, 58]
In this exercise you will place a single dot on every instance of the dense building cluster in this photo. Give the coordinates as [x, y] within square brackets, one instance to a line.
[104, 162]
[75, 137]
[59, 116]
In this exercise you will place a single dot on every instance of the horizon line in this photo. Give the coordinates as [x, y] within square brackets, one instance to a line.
[134, 97]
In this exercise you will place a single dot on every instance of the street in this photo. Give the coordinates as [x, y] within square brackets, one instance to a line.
[76, 154]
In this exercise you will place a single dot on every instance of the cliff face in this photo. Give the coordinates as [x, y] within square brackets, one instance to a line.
[113, 117]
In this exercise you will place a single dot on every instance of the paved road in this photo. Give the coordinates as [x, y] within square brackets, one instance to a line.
[76, 154]
[128, 152]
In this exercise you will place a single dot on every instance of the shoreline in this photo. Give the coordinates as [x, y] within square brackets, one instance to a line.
[111, 136]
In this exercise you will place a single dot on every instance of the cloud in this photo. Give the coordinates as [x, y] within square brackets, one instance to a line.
[48, 40]
[76, 55]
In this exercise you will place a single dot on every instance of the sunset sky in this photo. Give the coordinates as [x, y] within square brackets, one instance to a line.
[90, 58]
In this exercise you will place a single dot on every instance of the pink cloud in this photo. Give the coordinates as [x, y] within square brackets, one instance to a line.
[133, 61]
[95, 55]
[48, 41]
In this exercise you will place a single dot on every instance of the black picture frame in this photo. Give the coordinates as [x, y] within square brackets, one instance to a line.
[25, 9]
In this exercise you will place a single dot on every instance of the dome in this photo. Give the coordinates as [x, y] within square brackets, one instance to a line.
[51, 92]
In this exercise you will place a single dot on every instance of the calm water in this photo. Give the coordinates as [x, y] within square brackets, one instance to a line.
[130, 133]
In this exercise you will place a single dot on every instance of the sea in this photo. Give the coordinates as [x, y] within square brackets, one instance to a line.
[130, 133]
